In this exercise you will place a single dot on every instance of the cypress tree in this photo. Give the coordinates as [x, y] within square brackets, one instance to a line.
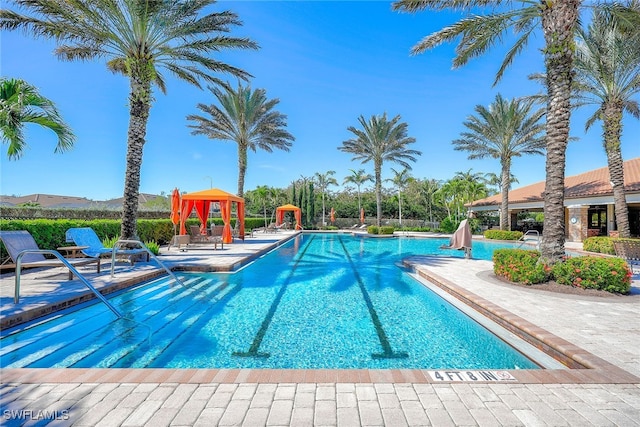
[311, 208]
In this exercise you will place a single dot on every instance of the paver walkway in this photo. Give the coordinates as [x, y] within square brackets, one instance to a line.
[607, 329]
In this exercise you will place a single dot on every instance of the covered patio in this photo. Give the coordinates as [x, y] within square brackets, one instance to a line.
[202, 201]
[297, 213]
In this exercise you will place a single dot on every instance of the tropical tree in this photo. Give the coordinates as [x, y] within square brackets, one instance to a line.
[378, 141]
[478, 32]
[22, 104]
[247, 118]
[504, 130]
[139, 39]
[428, 189]
[358, 178]
[324, 180]
[262, 193]
[400, 180]
[495, 180]
[608, 75]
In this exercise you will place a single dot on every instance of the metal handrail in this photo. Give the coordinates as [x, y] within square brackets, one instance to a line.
[534, 233]
[16, 297]
[142, 246]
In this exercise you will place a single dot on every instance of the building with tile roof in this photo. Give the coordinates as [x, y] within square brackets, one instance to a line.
[588, 200]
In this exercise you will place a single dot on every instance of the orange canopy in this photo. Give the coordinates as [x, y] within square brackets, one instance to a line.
[202, 200]
[296, 212]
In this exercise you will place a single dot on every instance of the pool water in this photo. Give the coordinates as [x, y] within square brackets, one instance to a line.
[318, 301]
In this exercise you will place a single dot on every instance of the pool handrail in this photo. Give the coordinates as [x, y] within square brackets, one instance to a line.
[16, 297]
[535, 234]
[151, 255]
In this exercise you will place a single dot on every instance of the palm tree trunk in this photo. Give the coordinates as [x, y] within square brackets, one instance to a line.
[378, 173]
[504, 205]
[612, 132]
[559, 19]
[139, 105]
[242, 168]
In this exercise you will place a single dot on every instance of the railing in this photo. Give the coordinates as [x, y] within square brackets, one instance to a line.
[120, 243]
[16, 297]
[530, 235]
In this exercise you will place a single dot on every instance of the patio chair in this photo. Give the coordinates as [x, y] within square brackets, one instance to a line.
[216, 235]
[196, 236]
[18, 241]
[86, 236]
[629, 250]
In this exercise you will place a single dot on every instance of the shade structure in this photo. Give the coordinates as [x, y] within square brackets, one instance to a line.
[362, 215]
[202, 200]
[332, 216]
[175, 208]
[297, 213]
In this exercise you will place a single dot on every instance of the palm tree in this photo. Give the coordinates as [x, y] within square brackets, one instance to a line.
[358, 178]
[505, 130]
[400, 179]
[379, 140]
[428, 190]
[608, 75]
[21, 104]
[478, 33]
[139, 39]
[495, 180]
[247, 118]
[324, 180]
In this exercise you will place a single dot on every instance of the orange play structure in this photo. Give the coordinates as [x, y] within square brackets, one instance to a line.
[280, 211]
[202, 200]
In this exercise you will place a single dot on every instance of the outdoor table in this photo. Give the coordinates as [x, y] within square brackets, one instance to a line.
[72, 251]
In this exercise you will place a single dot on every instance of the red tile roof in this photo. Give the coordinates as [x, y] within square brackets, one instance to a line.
[588, 184]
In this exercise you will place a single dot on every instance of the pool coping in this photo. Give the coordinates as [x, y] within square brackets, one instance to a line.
[584, 367]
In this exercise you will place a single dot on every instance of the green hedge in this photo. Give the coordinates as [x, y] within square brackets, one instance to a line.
[522, 266]
[50, 233]
[602, 244]
[385, 229]
[502, 235]
[599, 244]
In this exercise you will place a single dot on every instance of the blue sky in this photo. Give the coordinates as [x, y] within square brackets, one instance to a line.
[327, 62]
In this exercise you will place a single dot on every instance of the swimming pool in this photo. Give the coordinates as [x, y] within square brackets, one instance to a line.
[318, 301]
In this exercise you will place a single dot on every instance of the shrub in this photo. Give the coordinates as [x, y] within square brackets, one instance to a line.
[607, 274]
[386, 230]
[153, 247]
[502, 235]
[448, 225]
[373, 229]
[599, 244]
[520, 266]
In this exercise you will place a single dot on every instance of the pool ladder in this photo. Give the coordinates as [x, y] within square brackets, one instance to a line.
[63, 260]
[530, 235]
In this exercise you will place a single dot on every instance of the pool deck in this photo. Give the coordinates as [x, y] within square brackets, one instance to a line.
[602, 334]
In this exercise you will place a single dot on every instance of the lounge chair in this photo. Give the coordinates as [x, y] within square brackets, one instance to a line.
[86, 236]
[17, 242]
